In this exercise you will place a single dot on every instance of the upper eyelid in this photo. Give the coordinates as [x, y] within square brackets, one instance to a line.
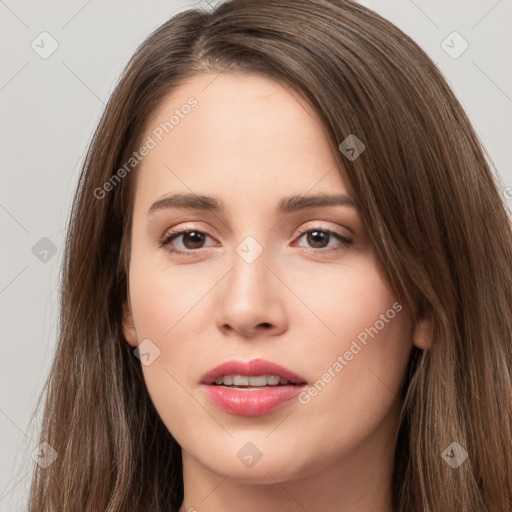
[315, 225]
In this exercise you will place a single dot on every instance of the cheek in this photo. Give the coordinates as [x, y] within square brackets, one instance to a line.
[166, 303]
[349, 303]
[162, 294]
[163, 310]
[359, 364]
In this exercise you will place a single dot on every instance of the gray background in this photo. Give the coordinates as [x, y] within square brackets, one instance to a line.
[50, 107]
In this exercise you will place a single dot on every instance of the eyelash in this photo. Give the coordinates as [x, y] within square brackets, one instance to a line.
[171, 235]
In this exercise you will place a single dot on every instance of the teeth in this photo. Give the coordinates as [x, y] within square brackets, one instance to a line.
[273, 380]
[255, 381]
[240, 380]
[260, 380]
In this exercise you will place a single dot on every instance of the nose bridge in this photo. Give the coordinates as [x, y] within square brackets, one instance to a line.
[250, 298]
[249, 270]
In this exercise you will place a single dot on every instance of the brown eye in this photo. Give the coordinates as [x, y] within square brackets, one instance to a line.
[191, 240]
[318, 239]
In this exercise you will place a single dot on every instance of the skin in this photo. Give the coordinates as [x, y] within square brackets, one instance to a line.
[251, 142]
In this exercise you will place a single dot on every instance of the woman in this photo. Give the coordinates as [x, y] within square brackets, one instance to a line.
[287, 280]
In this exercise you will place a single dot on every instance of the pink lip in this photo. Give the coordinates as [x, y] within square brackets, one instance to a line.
[255, 402]
[251, 402]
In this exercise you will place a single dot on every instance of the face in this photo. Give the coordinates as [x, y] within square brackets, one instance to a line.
[262, 276]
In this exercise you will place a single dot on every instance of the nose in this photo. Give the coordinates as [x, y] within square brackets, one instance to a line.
[251, 302]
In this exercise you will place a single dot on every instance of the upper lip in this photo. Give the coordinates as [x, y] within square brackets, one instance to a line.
[252, 367]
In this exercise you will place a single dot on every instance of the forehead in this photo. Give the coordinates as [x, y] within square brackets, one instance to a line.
[236, 132]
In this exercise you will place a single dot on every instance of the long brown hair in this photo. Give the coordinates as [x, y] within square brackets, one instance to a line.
[426, 192]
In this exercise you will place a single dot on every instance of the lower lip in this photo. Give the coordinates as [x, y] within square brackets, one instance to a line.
[251, 402]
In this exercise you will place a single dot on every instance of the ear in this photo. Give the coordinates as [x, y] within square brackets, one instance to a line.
[128, 325]
[422, 334]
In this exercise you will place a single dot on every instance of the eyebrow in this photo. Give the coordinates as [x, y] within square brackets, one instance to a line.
[286, 205]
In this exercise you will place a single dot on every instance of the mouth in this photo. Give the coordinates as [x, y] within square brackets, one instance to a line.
[257, 373]
[252, 388]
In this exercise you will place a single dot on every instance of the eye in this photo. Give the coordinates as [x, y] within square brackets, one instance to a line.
[319, 238]
[192, 239]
